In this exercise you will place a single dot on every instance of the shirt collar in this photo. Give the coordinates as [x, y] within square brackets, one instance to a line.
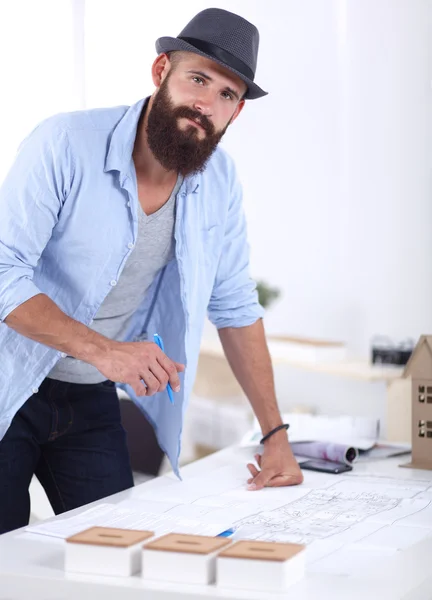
[123, 138]
[122, 141]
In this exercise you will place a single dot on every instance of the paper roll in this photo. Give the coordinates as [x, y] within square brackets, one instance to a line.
[326, 451]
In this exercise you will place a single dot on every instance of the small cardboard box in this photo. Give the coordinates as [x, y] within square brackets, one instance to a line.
[182, 558]
[105, 551]
[267, 566]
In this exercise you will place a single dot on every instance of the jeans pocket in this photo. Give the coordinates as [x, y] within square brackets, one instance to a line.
[89, 388]
[107, 385]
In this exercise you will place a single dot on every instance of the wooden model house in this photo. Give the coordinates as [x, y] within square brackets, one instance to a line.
[419, 368]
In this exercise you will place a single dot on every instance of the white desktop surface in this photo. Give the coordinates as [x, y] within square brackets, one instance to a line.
[31, 566]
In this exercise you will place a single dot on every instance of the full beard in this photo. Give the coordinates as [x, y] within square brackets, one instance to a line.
[179, 150]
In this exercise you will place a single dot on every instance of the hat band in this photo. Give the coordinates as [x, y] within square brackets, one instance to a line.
[224, 56]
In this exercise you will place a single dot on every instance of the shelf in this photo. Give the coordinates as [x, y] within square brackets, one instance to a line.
[359, 370]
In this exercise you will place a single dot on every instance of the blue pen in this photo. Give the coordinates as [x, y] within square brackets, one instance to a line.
[158, 340]
[226, 533]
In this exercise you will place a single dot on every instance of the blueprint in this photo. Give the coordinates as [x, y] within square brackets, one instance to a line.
[349, 525]
[348, 522]
[318, 515]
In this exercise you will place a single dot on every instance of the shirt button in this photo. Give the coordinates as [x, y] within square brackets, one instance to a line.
[130, 245]
[128, 204]
[113, 282]
[63, 354]
[35, 390]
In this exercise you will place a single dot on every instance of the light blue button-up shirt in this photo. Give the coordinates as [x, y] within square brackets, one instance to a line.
[68, 217]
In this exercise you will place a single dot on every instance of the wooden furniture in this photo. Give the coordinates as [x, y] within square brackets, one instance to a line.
[215, 376]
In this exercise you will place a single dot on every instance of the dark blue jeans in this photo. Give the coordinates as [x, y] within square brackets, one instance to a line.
[71, 437]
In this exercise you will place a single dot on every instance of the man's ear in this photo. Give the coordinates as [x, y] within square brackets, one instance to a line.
[238, 110]
[160, 69]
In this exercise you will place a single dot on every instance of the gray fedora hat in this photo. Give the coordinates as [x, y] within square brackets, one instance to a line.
[223, 37]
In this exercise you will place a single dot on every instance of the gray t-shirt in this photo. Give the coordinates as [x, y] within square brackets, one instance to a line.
[154, 248]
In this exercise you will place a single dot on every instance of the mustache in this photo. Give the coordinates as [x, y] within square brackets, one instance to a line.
[189, 113]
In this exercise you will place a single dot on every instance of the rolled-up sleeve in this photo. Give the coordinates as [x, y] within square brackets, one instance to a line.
[234, 299]
[31, 197]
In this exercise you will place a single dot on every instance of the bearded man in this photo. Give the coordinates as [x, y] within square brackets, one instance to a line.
[117, 224]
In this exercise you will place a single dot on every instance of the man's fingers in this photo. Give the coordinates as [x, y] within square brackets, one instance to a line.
[252, 470]
[276, 481]
[151, 382]
[160, 374]
[139, 388]
[180, 368]
[283, 480]
[171, 371]
[259, 478]
[260, 481]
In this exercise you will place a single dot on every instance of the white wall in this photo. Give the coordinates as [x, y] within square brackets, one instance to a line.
[335, 163]
[36, 68]
[386, 198]
[336, 179]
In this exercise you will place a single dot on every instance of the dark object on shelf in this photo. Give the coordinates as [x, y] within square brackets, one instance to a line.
[144, 450]
[386, 352]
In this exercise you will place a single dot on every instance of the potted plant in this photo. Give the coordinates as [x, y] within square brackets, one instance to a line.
[266, 294]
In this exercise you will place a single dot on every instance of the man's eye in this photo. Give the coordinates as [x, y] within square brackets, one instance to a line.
[198, 79]
[227, 95]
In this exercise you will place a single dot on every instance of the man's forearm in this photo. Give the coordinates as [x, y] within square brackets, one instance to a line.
[248, 355]
[41, 320]
[141, 365]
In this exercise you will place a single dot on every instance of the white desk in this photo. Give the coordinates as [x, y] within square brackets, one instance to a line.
[31, 566]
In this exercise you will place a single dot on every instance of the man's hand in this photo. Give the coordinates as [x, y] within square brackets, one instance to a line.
[135, 362]
[277, 463]
[41, 320]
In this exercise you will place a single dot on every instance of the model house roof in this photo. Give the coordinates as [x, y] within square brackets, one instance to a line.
[419, 365]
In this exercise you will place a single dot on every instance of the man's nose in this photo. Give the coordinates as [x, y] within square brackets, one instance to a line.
[204, 104]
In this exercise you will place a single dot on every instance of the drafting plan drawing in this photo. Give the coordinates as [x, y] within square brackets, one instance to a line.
[348, 522]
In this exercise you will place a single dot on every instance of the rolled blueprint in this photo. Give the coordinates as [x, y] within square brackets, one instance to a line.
[326, 451]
